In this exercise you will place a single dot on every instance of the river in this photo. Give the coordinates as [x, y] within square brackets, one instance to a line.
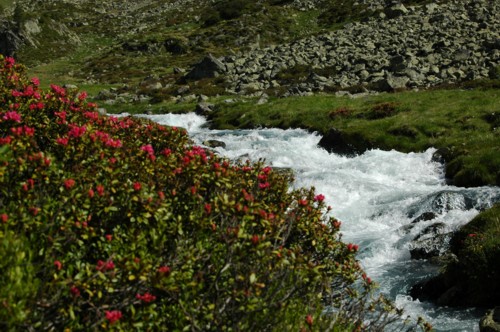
[375, 195]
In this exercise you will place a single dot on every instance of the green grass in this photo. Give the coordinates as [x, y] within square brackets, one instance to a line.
[463, 121]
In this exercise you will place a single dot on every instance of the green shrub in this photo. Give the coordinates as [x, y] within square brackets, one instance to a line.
[122, 224]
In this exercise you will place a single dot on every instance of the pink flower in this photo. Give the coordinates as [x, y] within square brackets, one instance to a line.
[166, 152]
[5, 140]
[113, 316]
[148, 149]
[137, 186]
[58, 265]
[62, 140]
[82, 95]
[319, 198]
[76, 131]
[35, 81]
[58, 90]
[264, 185]
[146, 297]
[13, 116]
[69, 183]
[9, 62]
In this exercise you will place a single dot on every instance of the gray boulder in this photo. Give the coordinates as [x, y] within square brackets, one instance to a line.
[209, 67]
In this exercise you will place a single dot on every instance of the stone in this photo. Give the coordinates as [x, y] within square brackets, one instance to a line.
[391, 83]
[490, 322]
[395, 11]
[208, 67]
[431, 242]
[211, 143]
[204, 108]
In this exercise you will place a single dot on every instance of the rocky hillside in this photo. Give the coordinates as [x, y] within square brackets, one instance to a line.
[280, 47]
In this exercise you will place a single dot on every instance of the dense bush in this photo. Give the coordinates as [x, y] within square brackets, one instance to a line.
[122, 224]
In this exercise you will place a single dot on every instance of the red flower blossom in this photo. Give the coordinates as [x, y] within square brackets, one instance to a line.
[264, 185]
[13, 116]
[35, 81]
[105, 266]
[4, 217]
[75, 291]
[82, 95]
[164, 270]
[69, 183]
[208, 208]
[113, 316]
[5, 140]
[146, 297]
[109, 237]
[302, 202]
[91, 193]
[319, 198]
[137, 186]
[76, 131]
[58, 265]
[58, 90]
[166, 152]
[352, 247]
[255, 240]
[62, 140]
[309, 320]
[100, 190]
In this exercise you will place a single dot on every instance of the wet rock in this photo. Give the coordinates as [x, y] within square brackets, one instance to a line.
[336, 141]
[433, 241]
[491, 321]
[211, 143]
[204, 108]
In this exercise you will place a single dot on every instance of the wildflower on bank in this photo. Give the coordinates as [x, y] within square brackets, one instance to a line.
[146, 297]
[319, 198]
[105, 266]
[75, 291]
[113, 316]
[58, 265]
[164, 270]
[69, 183]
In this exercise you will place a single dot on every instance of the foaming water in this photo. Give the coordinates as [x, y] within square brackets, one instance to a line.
[376, 195]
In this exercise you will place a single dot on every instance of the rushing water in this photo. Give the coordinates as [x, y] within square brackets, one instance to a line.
[374, 195]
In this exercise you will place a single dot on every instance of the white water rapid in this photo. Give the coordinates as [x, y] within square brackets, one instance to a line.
[375, 195]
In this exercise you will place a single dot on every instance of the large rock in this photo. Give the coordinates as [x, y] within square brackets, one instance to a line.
[336, 141]
[491, 321]
[209, 67]
[433, 241]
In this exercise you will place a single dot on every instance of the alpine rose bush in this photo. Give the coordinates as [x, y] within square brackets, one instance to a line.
[121, 224]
